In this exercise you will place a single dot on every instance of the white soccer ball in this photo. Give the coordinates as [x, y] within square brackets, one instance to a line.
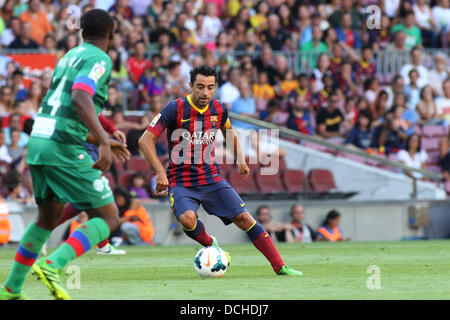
[210, 262]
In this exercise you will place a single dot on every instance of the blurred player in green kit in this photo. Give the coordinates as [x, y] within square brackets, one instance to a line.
[61, 170]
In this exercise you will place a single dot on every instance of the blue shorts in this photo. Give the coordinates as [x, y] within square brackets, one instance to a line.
[92, 150]
[218, 199]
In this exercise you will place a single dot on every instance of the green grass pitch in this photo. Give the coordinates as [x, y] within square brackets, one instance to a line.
[408, 270]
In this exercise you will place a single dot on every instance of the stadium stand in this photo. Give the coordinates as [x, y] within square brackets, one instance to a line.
[244, 40]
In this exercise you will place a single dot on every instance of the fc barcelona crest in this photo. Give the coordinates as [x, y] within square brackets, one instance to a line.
[213, 121]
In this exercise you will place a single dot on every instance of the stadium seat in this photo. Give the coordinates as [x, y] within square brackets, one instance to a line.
[433, 157]
[225, 168]
[321, 180]
[269, 184]
[247, 187]
[430, 144]
[429, 131]
[281, 163]
[112, 181]
[295, 181]
[124, 179]
[252, 163]
[138, 164]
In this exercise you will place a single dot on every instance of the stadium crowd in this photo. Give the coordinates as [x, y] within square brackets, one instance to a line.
[338, 95]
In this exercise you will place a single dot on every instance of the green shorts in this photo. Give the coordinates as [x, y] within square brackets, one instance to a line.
[80, 186]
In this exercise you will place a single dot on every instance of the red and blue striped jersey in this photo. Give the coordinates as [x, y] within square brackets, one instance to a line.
[191, 133]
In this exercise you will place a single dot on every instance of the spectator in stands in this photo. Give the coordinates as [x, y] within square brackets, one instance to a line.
[301, 232]
[371, 89]
[6, 99]
[346, 34]
[396, 87]
[306, 34]
[443, 102]
[11, 33]
[153, 82]
[4, 154]
[275, 36]
[24, 41]
[389, 137]
[211, 25]
[412, 90]
[337, 16]
[314, 47]
[273, 113]
[18, 90]
[379, 107]
[439, 73]
[264, 63]
[362, 134]
[399, 43]
[404, 118]
[441, 16]
[138, 187]
[34, 98]
[175, 84]
[380, 39]
[137, 64]
[262, 90]
[229, 91]
[259, 20]
[14, 150]
[136, 228]
[413, 156]
[322, 70]
[416, 57]
[444, 156]
[277, 231]
[244, 105]
[16, 191]
[330, 230]
[302, 116]
[329, 120]
[36, 20]
[118, 118]
[425, 22]
[426, 108]
[413, 33]
[15, 121]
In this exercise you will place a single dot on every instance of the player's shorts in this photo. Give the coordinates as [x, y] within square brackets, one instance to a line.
[80, 186]
[218, 199]
[92, 150]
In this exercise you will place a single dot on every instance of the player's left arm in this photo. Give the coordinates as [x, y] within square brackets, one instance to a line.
[229, 133]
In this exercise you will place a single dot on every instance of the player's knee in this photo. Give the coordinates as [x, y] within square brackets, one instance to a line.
[244, 220]
[188, 219]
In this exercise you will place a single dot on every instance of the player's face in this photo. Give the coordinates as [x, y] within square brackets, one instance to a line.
[203, 90]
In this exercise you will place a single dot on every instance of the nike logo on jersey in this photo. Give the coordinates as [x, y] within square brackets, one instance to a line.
[184, 120]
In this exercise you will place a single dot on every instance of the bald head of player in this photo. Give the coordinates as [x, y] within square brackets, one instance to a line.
[203, 85]
[97, 28]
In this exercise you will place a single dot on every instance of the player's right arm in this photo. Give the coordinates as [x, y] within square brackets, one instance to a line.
[85, 108]
[147, 146]
[163, 120]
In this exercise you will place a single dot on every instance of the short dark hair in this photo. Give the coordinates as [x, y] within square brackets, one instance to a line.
[96, 24]
[206, 71]
[261, 207]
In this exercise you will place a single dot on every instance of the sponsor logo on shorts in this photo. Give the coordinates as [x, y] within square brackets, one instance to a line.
[98, 185]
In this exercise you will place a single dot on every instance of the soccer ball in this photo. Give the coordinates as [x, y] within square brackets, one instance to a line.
[210, 262]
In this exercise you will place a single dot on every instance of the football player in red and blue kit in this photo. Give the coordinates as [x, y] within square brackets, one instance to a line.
[193, 177]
